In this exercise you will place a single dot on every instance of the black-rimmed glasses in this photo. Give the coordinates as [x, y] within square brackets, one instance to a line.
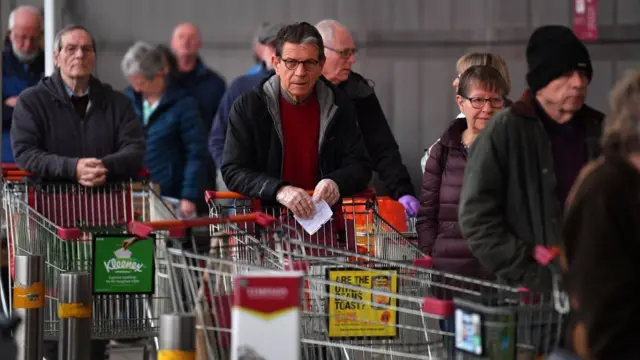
[345, 53]
[478, 103]
[308, 65]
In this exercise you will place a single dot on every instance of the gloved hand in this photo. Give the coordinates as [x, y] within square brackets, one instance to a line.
[297, 200]
[410, 204]
[328, 191]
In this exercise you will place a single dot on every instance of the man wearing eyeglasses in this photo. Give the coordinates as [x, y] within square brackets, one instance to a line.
[340, 53]
[522, 165]
[295, 132]
[73, 127]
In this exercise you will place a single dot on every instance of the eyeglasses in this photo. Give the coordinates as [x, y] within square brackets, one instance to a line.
[478, 103]
[308, 65]
[345, 53]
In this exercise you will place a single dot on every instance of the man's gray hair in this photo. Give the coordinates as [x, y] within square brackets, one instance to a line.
[143, 59]
[301, 33]
[57, 41]
[28, 8]
[326, 28]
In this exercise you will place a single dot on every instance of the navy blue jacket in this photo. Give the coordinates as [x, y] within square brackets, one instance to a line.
[176, 144]
[239, 86]
[16, 76]
[207, 87]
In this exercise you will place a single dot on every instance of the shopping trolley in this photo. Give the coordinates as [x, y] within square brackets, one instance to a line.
[204, 285]
[357, 225]
[64, 223]
[393, 314]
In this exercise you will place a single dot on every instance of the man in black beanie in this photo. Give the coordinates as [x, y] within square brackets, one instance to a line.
[521, 167]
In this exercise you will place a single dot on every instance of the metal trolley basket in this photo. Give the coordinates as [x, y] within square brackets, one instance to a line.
[357, 226]
[59, 222]
[356, 306]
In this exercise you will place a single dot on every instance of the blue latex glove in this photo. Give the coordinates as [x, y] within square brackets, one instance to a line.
[411, 204]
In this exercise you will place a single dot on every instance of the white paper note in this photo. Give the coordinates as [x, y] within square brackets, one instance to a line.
[320, 217]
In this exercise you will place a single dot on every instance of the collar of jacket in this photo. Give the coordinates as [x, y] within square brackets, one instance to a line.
[452, 137]
[37, 65]
[526, 107]
[97, 89]
[356, 86]
[198, 71]
[172, 93]
[270, 89]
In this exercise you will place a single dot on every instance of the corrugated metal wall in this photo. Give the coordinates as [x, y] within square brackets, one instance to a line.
[409, 47]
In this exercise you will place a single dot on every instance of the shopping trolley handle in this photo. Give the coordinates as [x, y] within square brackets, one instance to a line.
[211, 195]
[425, 262]
[11, 172]
[143, 229]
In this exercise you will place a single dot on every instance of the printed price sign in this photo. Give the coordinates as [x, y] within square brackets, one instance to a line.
[123, 264]
[360, 313]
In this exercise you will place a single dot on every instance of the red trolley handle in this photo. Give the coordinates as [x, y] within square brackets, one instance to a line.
[211, 195]
[143, 229]
[11, 172]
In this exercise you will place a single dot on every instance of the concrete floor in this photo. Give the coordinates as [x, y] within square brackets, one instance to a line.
[126, 354]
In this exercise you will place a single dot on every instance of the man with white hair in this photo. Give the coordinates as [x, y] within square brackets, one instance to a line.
[73, 127]
[22, 65]
[340, 53]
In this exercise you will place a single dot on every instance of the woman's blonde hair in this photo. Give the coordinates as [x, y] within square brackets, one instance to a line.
[488, 59]
[621, 132]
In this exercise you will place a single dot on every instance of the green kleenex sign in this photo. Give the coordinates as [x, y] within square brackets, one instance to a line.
[123, 264]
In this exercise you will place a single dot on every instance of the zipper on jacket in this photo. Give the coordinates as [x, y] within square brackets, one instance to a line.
[275, 127]
[83, 126]
[326, 131]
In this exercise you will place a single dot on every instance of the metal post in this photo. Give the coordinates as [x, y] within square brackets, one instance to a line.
[1, 119]
[49, 35]
[74, 312]
[177, 337]
[28, 303]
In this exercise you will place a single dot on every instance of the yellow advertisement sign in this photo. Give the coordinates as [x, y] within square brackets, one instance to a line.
[28, 297]
[360, 313]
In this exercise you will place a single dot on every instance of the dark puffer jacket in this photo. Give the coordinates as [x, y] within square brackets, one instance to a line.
[437, 223]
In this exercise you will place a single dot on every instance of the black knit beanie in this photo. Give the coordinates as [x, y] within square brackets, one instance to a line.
[552, 51]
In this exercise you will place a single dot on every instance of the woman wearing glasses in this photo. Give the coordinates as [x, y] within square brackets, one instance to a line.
[472, 59]
[481, 93]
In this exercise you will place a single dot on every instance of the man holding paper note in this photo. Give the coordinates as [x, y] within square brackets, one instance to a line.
[295, 132]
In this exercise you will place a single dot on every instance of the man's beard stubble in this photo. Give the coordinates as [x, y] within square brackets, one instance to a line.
[24, 57]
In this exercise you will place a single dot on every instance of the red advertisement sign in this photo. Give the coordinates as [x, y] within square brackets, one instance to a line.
[585, 19]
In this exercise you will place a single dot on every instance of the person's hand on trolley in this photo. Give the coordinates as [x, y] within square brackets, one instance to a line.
[91, 172]
[297, 200]
[328, 191]
[187, 208]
